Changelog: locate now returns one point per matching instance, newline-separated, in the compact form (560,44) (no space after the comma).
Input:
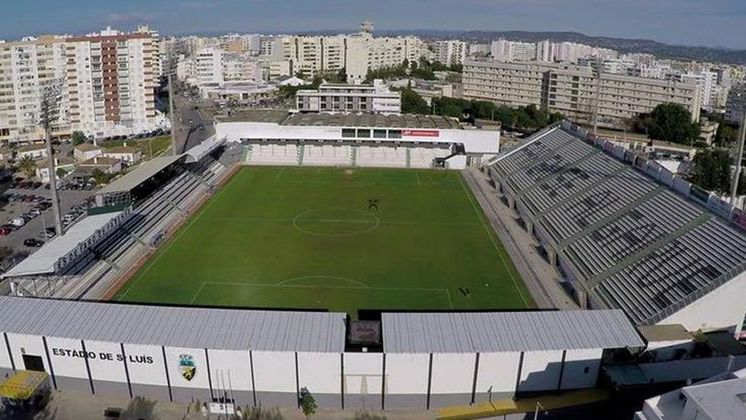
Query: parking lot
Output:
(23,199)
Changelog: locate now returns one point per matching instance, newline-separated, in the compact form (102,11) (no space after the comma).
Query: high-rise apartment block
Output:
(450,52)
(111,79)
(575,91)
(107,81)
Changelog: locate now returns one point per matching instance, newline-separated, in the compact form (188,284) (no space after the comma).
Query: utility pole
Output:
(599,64)
(51,96)
(171,102)
(739,158)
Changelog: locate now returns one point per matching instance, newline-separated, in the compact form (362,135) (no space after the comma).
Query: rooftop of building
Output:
(87,147)
(668,332)
(286,118)
(32,147)
(100,161)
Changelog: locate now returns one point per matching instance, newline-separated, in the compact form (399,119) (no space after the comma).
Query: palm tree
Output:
(27,166)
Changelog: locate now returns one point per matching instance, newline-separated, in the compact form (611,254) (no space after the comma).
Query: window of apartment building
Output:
(379,134)
(394,134)
(363,133)
(348,132)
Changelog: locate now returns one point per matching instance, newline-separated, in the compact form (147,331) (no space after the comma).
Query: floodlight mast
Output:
(51,96)
(739,159)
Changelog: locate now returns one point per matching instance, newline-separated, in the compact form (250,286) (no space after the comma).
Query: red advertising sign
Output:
(421,133)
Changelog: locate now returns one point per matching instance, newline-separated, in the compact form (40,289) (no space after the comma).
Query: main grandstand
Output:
(626,233)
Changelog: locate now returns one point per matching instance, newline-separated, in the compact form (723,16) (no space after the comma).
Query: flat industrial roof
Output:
(254,115)
(43,261)
(371,120)
(341,119)
(140,174)
(174,326)
(469,332)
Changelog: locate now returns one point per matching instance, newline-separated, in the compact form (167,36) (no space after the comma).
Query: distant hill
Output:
(720,55)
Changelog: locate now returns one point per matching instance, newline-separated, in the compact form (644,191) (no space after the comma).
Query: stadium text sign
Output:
(101,355)
(421,133)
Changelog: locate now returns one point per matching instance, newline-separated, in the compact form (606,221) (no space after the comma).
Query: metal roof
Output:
(45,259)
(140,174)
(469,332)
(220,329)
(196,153)
(627,239)
(371,120)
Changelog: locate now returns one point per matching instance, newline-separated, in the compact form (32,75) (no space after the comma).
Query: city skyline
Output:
(719,23)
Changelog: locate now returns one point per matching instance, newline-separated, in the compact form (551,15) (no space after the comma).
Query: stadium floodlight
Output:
(49,112)
(739,159)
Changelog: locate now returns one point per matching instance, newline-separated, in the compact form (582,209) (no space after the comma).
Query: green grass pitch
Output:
(301,238)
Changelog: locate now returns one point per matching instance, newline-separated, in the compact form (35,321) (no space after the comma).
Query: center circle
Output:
(335,222)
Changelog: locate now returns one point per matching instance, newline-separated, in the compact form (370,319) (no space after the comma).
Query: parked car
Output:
(50,232)
(18,221)
(4,231)
(33,242)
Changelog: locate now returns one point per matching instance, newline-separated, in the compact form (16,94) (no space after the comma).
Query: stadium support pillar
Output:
(552,257)
(582,298)
(511,202)
(529,227)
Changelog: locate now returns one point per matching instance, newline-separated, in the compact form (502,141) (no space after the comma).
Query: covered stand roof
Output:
(221,329)
(631,242)
(78,239)
(196,153)
(454,332)
(140,174)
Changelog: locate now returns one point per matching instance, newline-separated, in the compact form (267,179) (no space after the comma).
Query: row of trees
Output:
(668,122)
(525,119)
(712,171)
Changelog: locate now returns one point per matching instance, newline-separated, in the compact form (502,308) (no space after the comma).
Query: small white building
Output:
(127,154)
(34,151)
(85,151)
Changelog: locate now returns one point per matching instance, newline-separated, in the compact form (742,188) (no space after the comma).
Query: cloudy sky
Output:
(688,22)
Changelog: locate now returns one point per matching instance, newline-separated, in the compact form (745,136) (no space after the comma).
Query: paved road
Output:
(35,227)
(188,134)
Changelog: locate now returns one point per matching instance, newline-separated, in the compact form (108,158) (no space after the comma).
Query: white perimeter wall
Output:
(497,371)
(145,364)
(230,369)
(274,372)
(321,373)
(540,371)
(453,373)
(722,308)
(406,374)
(581,368)
(363,373)
(26,344)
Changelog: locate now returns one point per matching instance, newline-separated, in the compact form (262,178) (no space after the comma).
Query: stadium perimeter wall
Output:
(269,378)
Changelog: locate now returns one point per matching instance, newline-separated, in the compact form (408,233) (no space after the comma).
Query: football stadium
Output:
(381,262)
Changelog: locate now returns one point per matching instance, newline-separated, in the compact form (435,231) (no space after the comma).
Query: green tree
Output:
(712,170)
(307,402)
(27,166)
(60,173)
(412,102)
(726,135)
(100,176)
(673,123)
(78,138)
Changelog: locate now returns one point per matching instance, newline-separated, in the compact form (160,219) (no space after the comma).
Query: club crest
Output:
(187,367)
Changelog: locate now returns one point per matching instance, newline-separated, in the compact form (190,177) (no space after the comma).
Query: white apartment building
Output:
(25,67)
(450,52)
(111,81)
(571,90)
(375,98)
(707,82)
(213,66)
(503,50)
(736,104)
(208,66)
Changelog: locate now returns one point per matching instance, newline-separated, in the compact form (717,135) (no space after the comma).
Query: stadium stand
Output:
(625,233)
(109,257)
